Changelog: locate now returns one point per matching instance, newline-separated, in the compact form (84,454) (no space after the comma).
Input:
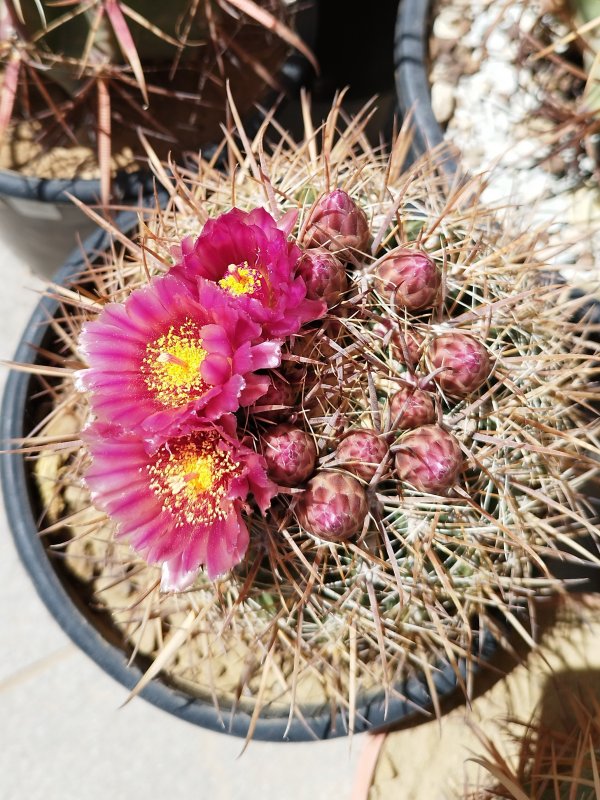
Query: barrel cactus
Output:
(93,75)
(370,551)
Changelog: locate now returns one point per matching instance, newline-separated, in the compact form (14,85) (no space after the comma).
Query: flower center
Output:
(191,476)
(171,367)
(241,280)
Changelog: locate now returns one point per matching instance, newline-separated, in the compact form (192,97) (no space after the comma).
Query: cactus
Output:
(354,581)
(556,760)
(93,74)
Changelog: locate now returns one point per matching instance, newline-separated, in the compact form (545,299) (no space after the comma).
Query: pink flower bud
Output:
(337,223)
(429,459)
(465,361)
(361,452)
(324,275)
(290,454)
(333,507)
(411,407)
(280,393)
(411,276)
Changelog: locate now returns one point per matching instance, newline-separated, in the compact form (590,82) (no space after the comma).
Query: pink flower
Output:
(251,259)
(163,357)
(179,505)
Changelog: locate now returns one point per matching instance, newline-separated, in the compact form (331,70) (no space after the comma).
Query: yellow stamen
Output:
(171,368)
(201,475)
(192,477)
(240,280)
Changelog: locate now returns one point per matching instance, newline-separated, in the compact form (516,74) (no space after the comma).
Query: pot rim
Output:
(411,50)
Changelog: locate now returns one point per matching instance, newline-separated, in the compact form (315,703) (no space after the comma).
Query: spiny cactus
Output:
(357,579)
(554,761)
(560,50)
(95,74)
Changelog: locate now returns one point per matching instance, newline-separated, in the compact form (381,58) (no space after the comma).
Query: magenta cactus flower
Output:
(429,459)
(411,277)
(337,223)
(464,362)
(163,356)
(361,452)
(333,507)
(250,257)
(178,505)
(290,454)
(324,275)
(411,407)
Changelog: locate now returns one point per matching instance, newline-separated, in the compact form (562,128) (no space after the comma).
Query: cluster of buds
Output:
(333,505)
(439,368)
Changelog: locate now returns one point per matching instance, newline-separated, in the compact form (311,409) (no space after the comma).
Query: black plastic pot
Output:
(411,59)
(92,630)
(39,222)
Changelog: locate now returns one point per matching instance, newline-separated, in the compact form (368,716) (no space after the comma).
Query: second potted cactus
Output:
(86,85)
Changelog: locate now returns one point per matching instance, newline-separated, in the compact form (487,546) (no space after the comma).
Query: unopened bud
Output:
(411,407)
(361,452)
(290,454)
(324,275)
(333,507)
(277,402)
(429,459)
(411,277)
(464,362)
(337,223)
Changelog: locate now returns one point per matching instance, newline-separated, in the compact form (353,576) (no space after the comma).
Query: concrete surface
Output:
(63,735)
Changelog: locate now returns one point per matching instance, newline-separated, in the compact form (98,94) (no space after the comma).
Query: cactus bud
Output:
(361,452)
(337,223)
(411,408)
(333,507)
(429,459)
(465,362)
(290,454)
(324,275)
(411,276)
(279,393)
